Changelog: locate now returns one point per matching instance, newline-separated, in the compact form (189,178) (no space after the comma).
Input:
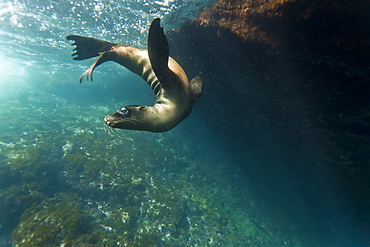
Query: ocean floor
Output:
(66,181)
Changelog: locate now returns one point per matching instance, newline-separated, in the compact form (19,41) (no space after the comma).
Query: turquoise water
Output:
(66,181)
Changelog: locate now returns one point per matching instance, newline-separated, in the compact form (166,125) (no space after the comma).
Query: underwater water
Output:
(66,181)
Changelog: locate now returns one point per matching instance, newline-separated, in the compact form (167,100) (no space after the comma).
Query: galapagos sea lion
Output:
(175,93)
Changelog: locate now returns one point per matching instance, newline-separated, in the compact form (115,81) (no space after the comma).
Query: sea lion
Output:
(175,94)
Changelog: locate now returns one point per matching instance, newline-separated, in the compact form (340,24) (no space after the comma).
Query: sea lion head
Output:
(132,117)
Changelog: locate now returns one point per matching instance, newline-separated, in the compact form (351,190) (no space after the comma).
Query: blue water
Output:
(66,181)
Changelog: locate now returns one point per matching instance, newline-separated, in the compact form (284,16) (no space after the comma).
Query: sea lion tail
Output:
(87,47)
(196,86)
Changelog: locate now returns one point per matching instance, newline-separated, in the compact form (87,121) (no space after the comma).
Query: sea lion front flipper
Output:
(158,52)
(196,86)
(87,47)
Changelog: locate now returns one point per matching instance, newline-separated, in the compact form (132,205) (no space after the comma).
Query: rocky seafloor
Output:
(66,182)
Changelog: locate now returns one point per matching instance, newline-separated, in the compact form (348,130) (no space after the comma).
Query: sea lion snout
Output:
(108,120)
(118,119)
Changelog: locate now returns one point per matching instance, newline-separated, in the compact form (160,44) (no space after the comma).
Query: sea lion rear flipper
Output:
(88,73)
(87,47)
(196,86)
(158,52)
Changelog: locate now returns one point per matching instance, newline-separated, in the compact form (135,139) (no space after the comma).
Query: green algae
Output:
(50,223)
(129,205)
(15,200)
(64,221)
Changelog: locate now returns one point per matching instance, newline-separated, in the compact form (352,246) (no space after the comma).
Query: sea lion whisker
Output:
(111,131)
(106,128)
(114,132)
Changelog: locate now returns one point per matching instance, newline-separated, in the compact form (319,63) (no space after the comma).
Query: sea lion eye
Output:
(123,111)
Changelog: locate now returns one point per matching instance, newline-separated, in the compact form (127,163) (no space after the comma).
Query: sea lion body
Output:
(173,103)
(175,94)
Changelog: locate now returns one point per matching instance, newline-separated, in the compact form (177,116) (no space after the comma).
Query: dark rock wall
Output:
(287,87)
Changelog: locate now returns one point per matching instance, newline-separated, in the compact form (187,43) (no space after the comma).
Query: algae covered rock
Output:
(54,222)
(15,200)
